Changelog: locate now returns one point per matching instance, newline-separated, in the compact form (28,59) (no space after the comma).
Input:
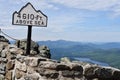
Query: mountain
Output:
(105,52)
(110,45)
(64,43)
(58,43)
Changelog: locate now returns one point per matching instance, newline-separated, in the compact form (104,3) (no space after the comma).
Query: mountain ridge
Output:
(104,52)
(106,45)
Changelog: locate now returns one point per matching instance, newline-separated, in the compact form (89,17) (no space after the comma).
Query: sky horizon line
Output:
(78,20)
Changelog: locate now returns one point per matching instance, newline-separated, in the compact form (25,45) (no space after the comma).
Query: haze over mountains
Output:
(105,52)
(64,43)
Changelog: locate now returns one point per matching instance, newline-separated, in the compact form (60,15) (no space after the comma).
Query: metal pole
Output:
(29,40)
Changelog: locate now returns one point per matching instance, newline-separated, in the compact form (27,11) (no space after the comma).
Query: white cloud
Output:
(93,36)
(60,23)
(93,5)
(12,27)
(88,4)
(116,10)
(41,4)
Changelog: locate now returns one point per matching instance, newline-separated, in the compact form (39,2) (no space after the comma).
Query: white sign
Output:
(29,16)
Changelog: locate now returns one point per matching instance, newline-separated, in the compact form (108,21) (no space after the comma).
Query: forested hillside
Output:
(105,52)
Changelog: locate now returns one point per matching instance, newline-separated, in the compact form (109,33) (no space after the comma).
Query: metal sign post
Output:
(29,39)
(29,16)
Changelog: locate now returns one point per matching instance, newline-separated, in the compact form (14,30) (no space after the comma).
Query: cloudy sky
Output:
(75,20)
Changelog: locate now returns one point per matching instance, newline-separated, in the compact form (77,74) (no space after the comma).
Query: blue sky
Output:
(74,20)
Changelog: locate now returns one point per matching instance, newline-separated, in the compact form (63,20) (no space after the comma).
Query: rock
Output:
(2,67)
(23,43)
(3,46)
(14,52)
(33,76)
(40,71)
(95,79)
(2,77)
(10,65)
(3,39)
(18,73)
(72,74)
(48,65)
(116,75)
(12,46)
(104,73)
(67,78)
(17,51)
(61,67)
(75,71)
(4,53)
(2,72)
(77,67)
(44,51)
(65,59)
(30,70)
(90,72)
(3,60)
(33,52)
(32,61)
(8,75)
(43,47)
(20,58)
(21,66)
(51,74)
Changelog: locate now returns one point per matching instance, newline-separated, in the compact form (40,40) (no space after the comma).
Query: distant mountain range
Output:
(105,52)
(64,43)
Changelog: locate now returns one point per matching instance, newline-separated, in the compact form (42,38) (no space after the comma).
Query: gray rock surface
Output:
(23,43)
(44,51)
(3,39)
(36,50)
(14,65)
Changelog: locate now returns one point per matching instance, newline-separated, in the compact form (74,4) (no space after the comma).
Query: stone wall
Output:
(39,68)
(14,65)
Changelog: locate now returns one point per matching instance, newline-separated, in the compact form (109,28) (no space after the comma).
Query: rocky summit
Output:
(16,65)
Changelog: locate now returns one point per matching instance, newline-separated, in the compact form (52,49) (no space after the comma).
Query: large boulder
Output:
(3,46)
(65,59)
(44,51)
(23,45)
(36,50)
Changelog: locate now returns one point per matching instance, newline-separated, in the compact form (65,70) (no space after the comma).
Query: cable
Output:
(8,35)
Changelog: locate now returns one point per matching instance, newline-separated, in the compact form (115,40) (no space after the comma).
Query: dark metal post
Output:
(29,40)
(18,43)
